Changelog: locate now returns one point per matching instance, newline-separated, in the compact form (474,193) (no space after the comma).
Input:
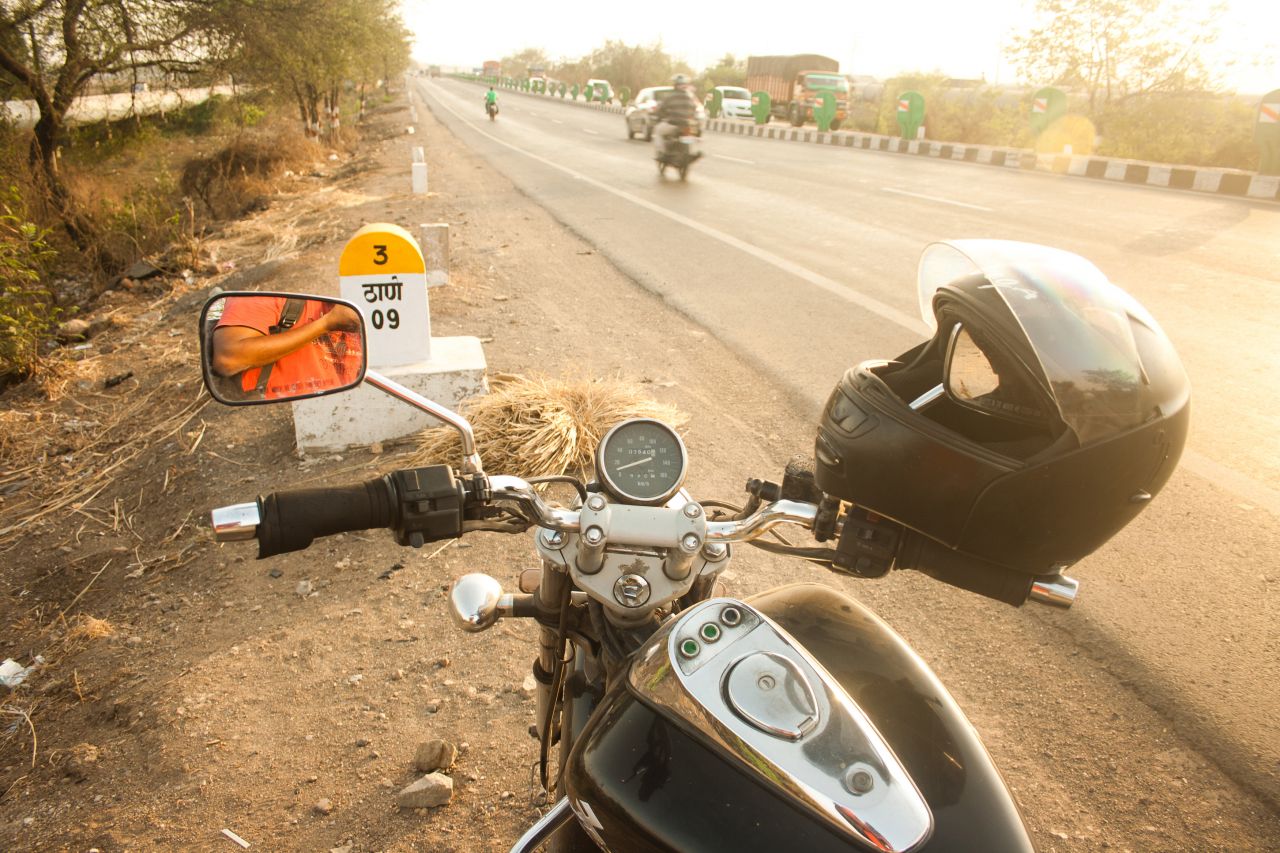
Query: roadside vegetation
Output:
(1135,72)
(81,205)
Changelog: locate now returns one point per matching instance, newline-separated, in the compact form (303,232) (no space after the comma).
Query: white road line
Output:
(556,120)
(830,285)
(1227,478)
(590,131)
(734,159)
(935,198)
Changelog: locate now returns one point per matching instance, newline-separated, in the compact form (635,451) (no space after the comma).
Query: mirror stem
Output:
(470,458)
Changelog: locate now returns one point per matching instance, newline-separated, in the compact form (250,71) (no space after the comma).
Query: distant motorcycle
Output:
(492,109)
(680,149)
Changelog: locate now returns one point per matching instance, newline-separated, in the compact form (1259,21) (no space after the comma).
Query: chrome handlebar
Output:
(532,508)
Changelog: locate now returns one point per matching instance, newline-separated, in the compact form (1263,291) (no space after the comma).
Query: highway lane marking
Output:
(592,132)
(734,159)
(818,280)
(557,121)
(1226,478)
(935,198)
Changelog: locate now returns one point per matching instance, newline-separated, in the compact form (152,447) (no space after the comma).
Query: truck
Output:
(492,68)
(793,84)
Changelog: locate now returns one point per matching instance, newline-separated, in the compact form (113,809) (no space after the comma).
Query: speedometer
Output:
(641,461)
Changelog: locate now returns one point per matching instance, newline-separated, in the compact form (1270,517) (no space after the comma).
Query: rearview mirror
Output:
(271,347)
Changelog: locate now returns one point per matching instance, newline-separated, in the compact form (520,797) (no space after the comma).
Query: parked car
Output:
(642,113)
(735,101)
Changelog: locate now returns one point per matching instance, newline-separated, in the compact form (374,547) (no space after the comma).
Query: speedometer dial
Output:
(641,461)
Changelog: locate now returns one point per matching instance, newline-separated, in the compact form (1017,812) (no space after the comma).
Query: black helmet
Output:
(1041,417)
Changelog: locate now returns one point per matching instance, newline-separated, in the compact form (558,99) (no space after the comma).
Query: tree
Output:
(729,71)
(1114,50)
(330,42)
(51,49)
(634,66)
(518,64)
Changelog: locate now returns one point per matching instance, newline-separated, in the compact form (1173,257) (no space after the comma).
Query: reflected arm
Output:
(238,348)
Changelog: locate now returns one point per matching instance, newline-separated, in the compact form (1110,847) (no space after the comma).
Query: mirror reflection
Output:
(970,373)
(263,347)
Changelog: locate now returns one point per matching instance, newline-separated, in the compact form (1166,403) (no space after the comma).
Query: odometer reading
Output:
(641,461)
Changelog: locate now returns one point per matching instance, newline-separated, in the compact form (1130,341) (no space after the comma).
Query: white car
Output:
(735,101)
(642,113)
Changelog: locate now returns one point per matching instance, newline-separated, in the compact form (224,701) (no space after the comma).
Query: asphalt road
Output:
(802,259)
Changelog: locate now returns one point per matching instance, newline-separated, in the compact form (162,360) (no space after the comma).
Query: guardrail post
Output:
(435,251)
(418,171)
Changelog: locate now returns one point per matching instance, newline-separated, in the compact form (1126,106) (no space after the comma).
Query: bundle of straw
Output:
(540,426)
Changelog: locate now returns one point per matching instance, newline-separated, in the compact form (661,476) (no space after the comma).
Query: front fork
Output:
(549,594)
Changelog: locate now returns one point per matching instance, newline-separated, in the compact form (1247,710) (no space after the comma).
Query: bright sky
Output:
(878,39)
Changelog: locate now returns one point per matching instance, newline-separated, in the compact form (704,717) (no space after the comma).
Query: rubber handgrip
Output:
(965,571)
(292,520)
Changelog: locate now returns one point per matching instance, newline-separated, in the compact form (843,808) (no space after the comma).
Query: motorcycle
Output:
(491,107)
(680,149)
(670,717)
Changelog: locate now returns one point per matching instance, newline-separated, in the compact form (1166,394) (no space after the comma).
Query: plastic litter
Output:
(237,839)
(13,673)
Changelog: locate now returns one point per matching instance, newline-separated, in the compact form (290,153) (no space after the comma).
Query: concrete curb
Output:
(1230,182)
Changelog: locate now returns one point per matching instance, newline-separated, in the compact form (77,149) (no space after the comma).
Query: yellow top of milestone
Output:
(381,247)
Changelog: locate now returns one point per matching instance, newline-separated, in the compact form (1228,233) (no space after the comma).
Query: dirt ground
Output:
(212,695)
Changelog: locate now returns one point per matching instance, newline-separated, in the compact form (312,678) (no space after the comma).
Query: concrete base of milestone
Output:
(365,415)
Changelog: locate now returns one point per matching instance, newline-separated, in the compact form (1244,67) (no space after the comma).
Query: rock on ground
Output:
(434,755)
(434,789)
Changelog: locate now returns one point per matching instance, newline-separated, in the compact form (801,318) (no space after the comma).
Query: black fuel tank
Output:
(644,783)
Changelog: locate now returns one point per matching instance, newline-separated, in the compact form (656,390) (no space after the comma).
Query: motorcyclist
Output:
(677,109)
(490,100)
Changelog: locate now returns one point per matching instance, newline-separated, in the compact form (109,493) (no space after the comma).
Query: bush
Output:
(27,311)
(1188,129)
(234,178)
(976,116)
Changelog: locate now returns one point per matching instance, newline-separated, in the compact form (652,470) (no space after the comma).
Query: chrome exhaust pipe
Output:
(1054,591)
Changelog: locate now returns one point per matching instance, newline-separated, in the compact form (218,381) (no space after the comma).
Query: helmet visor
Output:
(1079,325)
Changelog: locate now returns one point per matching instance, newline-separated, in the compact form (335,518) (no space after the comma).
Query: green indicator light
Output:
(689,648)
(711,632)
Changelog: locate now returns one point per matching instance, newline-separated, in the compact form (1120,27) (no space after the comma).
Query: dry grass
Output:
(542,426)
(229,180)
(98,447)
(84,627)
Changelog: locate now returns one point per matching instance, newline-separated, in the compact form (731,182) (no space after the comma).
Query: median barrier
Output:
(560,99)
(1205,179)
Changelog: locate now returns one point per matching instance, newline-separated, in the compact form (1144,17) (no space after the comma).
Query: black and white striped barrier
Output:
(1204,179)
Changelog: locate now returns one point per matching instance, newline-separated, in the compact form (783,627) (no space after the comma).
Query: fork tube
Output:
(550,593)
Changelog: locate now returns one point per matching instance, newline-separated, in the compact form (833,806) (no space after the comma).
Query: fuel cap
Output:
(768,691)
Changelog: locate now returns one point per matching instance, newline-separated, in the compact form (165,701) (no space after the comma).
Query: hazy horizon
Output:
(875,41)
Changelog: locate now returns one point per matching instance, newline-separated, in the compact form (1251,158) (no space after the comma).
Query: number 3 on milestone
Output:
(381,270)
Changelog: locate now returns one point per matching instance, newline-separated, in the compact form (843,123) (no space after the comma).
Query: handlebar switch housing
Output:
(868,544)
(431,502)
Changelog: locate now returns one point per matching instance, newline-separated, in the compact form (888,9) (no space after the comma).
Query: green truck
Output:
(793,84)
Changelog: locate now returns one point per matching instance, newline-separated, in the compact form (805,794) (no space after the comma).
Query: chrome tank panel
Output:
(642,782)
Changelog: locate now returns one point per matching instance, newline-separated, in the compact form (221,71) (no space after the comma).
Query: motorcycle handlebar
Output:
(292,520)
(531,506)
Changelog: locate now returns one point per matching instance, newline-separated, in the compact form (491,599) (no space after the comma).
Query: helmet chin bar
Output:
(870,546)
